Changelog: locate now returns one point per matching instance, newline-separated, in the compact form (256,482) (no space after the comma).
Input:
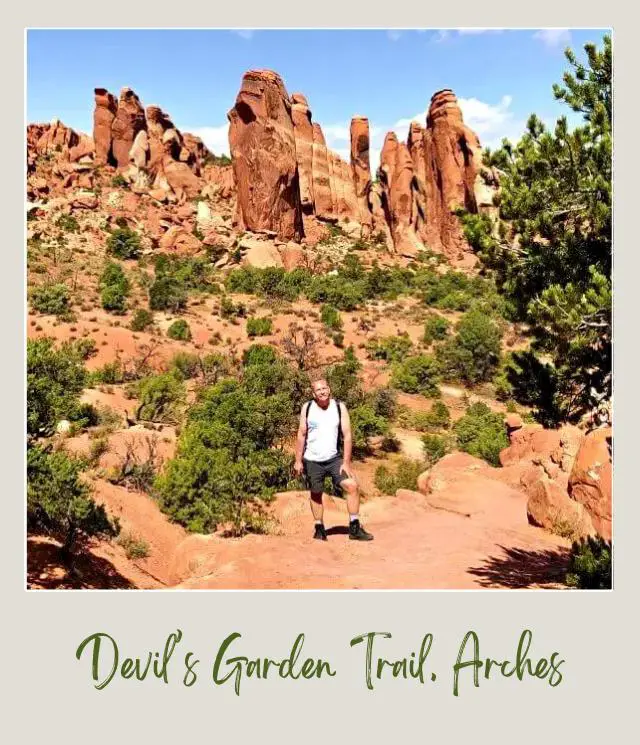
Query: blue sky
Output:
(500,77)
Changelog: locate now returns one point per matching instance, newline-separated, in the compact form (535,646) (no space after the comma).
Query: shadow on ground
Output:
(46,569)
(518,568)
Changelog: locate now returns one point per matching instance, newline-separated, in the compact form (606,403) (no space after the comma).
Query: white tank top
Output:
(322,432)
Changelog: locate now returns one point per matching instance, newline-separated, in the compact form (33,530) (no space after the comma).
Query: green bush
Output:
(58,501)
(437,418)
(55,380)
(141,320)
(418,374)
(134,546)
(590,564)
(119,180)
(114,288)
(259,354)
(161,397)
(228,463)
(179,330)
(124,243)
(166,293)
(330,317)
(391,348)
(187,365)
(404,476)
(259,326)
(68,223)
(229,309)
(473,355)
(435,447)
(481,433)
(435,328)
(52,300)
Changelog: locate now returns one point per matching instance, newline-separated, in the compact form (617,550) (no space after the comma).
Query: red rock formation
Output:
(303,132)
(452,162)
(103,116)
(262,143)
(346,205)
(415,144)
(128,121)
(55,137)
(590,479)
(361,169)
(397,177)
(321,176)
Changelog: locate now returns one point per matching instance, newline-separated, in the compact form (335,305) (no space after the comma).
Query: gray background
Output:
(49,696)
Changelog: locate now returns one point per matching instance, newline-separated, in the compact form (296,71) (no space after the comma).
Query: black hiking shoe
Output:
(357,532)
(321,533)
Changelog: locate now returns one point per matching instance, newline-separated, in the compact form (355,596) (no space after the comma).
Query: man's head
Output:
(321,391)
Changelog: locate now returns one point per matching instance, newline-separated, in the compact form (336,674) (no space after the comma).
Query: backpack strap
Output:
(306,417)
(340,438)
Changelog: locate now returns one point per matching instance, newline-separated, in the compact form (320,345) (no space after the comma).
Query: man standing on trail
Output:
(324,424)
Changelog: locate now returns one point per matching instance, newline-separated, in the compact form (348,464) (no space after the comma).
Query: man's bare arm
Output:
(300,440)
(347,440)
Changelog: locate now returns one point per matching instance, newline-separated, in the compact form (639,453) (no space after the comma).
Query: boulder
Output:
(179,240)
(260,254)
(293,256)
(590,481)
(263,151)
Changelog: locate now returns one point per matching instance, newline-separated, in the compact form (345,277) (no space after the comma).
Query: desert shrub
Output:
(186,364)
(590,564)
(138,466)
(435,447)
(481,432)
(68,223)
(259,326)
(166,293)
(52,299)
(418,374)
(141,320)
(191,273)
(269,282)
(179,330)
(435,328)
(59,502)
(85,348)
(229,309)
(161,398)
(404,476)
(119,180)
(344,381)
(366,423)
(111,373)
(217,160)
(124,243)
(391,348)
(473,355)
(437,418)
(228,463)
(384,402)
(330,317)
(259,354)
(55,380)
(135,547)
(114,288)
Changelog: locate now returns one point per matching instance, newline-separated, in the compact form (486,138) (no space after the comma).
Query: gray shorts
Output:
(315,473)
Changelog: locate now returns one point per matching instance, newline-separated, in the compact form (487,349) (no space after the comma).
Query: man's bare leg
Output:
(350,488)
(317,508)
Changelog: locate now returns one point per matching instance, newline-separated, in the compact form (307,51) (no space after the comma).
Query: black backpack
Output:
(340,438)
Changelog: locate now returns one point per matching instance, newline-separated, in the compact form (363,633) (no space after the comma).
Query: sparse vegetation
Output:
(52,299)
(259,326)
(124,243)
(179,330)
(480,432)
(419,374)
(141,320)
(114,288)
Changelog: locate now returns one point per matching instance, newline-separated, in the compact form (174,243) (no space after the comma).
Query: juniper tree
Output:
(551,250)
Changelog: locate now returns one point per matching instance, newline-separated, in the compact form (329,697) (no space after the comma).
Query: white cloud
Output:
(215,138)
(336,132)
(243,33)
(553,37)
(394,34)
(464,31)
